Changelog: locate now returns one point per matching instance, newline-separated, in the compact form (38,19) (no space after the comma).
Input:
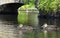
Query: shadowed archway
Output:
(8,12)
(10,8)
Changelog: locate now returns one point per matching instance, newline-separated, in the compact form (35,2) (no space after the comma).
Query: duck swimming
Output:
(25,27)
(50,27)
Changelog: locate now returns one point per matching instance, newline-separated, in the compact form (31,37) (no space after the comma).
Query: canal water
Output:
(40,33)
(8,28)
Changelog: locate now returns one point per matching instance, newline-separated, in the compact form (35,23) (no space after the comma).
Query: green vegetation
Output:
(48,5)
(22,15)
(22,18)
(45,5)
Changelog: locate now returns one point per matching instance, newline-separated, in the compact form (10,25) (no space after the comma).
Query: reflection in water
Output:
(45,34)
(9,30)
(40,33)
(20,34)
(8,27)
(51,29)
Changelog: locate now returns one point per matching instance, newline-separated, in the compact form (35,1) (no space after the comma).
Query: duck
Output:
(50,27)
(25,27)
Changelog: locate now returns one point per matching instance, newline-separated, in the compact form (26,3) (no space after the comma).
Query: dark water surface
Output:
(40,33)
(8,28)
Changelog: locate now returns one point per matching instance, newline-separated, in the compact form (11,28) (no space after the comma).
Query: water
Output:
(9,30)
(40,33)
(8,27)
